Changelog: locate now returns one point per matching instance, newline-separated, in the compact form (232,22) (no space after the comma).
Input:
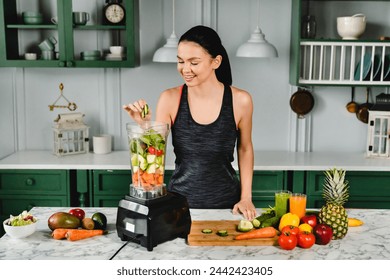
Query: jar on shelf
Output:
(309,27)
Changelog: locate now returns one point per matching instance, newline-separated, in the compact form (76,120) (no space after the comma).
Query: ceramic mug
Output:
(102,144)
(48,44)
(47,55)
(80,18)
(54,20)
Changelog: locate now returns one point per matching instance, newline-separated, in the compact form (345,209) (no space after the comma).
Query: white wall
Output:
(25,119)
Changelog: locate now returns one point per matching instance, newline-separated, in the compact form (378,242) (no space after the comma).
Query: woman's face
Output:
(194,64)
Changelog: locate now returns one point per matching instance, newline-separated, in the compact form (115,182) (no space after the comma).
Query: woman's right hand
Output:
(135,110)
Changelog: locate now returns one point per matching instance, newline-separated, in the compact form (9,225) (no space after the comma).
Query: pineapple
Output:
(335,194)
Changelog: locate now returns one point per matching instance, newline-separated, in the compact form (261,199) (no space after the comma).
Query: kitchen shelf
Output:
(326,59)
(340,63)
(17,38)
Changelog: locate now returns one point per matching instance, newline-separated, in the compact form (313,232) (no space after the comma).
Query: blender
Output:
(149,214)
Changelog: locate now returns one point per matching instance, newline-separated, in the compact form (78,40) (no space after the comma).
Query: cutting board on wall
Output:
(198,238)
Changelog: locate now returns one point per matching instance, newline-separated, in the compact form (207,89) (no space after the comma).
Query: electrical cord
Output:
(113,256)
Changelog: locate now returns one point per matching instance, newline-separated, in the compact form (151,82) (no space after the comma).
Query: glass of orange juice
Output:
(298,204)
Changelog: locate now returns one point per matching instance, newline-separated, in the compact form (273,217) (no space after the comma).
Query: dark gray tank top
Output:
(204,155)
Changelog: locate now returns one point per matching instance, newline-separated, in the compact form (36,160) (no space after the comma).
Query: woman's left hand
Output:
(246,208)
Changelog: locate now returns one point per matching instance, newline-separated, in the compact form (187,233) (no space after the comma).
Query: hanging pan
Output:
(362,112)
(302,102)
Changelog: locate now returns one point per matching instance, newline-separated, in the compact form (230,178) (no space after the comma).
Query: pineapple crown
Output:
(335,187)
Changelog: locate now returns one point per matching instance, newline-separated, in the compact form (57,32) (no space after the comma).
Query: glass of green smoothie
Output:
(281,202)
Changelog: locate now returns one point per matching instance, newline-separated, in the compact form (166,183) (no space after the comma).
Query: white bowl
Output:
(351,28)
(19,231)
(30,56)
(118,50)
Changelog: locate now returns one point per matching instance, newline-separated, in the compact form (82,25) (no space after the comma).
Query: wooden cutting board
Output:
(197,238)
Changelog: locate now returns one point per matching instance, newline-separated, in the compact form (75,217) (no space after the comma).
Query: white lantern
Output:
(378,140)
(70,135)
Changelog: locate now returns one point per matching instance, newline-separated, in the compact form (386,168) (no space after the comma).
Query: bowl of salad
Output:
(20,226)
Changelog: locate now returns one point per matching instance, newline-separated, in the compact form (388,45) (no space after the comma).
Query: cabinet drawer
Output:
(34,182)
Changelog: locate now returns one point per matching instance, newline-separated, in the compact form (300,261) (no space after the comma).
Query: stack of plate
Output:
(32,17)
(91,55)
(376,68)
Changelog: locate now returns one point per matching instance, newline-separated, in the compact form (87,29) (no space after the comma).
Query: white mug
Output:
(54,20)
(102,144)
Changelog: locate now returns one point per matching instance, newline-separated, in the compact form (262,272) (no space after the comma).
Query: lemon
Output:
(305,227)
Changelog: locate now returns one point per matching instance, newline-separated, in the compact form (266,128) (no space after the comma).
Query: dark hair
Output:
(208,39)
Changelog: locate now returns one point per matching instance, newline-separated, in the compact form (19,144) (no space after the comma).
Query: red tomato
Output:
(287,241)
(306,239)
(159,152)
(293,230)
(151,150)
(77,212)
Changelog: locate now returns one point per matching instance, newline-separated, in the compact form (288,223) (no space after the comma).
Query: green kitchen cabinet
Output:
(367,189)
(23,189)
(328,60)
(18,38)
(264,186)
(110,186)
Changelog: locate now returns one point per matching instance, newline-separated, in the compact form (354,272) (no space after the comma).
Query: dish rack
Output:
(344,63)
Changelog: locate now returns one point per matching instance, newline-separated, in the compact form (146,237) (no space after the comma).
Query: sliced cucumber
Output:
(222,232)
(207,231)
(151,158)
(244,226)
(256,223)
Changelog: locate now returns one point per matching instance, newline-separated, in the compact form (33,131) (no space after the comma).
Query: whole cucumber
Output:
(265,216)
(271,222)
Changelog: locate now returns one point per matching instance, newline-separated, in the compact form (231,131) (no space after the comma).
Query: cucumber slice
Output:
(222,232)
(256,223)
(151,158)
(207,231)
(244,226)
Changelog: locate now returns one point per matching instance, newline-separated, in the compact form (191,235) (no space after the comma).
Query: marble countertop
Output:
(367,242)
(264,160)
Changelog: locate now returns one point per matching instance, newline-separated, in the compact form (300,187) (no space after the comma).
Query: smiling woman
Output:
(208,117)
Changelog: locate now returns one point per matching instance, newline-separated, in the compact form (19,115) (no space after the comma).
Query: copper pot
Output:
(362,112)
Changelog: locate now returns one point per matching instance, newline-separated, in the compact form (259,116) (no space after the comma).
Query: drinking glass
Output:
(298,204)
(281,202)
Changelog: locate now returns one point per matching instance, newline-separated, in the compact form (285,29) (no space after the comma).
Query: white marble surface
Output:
(368,242)
(268,160)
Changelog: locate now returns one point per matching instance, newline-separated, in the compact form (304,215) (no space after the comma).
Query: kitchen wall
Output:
(25,119)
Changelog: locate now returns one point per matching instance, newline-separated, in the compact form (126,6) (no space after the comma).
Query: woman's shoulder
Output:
(241,96)
(172,92)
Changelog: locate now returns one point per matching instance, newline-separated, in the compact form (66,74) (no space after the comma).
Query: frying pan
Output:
(362,112)
(302,102)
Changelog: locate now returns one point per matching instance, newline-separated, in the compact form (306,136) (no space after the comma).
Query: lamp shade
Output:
(257,46)
(168,52)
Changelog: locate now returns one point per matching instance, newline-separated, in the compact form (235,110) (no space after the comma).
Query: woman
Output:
(207,117)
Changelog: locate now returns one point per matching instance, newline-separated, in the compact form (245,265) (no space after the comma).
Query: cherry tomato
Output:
(77,212)
(151,150)
(159,152)
(306,239)
(287,241)
(293,230)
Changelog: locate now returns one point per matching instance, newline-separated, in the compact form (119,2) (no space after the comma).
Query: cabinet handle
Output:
(30,181)
(69,63)
(61,63)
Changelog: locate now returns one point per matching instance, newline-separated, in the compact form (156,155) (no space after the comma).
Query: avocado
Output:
(100,220)
(63,220)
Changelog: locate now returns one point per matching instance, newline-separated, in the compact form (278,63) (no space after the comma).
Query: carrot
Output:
(59,233)
(78,234)
(266,232)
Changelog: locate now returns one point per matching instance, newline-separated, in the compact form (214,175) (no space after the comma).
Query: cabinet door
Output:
(366,189)
(264,186)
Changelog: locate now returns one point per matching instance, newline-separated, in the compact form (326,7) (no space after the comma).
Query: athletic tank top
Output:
(204,154)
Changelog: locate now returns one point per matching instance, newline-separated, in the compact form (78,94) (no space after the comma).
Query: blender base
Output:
(150,222)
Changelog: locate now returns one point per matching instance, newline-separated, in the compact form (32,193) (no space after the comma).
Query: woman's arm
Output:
(243,110)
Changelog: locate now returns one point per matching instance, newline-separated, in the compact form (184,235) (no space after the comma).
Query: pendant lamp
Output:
(257,45)
(168,53)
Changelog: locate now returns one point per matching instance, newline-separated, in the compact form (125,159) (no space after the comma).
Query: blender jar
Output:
(147,145)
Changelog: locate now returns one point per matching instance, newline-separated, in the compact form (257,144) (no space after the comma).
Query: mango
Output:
(63,220)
